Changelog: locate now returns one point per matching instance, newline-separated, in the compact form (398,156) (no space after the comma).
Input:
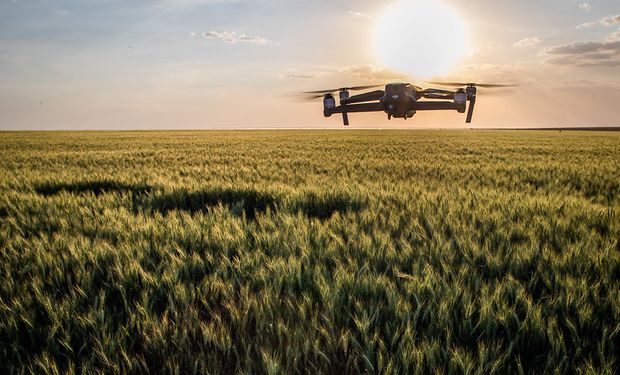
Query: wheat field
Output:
(267,252)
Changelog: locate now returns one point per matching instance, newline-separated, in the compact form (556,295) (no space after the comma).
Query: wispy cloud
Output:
(584,47)
(371,72)
(232,37)
(586,54)
(294,74)
(587,24)
(586,7)
(189,3)
(605,21)
(615,36)
(359,14)
(365,72)
(528,42)
(610,20)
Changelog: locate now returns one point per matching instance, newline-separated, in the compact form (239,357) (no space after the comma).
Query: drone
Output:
(401,100)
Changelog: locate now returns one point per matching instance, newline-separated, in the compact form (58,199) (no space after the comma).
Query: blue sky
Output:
(108,64)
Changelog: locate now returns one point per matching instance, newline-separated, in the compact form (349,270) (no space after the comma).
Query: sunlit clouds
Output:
(528,42)
(605,21)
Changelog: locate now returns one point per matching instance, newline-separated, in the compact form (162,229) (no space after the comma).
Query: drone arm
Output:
(366,97)
(436,94)
(346,109)
(439,106)
(365,107)
(439,96)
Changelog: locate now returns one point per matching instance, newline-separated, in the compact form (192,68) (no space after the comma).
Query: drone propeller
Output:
(462,84)
(471,89)
(321,93)
(314,97)
(353,88)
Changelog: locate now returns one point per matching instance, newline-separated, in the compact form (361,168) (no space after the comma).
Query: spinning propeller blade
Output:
(313,97)
(463,84)
(353,88)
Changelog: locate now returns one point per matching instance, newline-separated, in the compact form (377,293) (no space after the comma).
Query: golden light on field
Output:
(421,38)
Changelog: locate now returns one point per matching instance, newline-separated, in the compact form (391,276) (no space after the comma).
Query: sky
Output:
(217,64)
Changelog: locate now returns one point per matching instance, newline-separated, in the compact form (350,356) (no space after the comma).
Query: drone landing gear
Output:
(345,118)
(471,95)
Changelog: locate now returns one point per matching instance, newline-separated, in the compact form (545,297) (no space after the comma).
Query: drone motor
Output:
(329,102)
(460,97)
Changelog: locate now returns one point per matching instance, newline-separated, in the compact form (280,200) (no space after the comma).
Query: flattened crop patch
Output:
(246,202)
(250,202)
(97,187)
(324,206)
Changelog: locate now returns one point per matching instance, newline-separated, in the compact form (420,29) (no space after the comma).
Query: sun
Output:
(421,38)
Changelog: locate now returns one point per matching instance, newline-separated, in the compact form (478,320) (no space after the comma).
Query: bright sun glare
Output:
(422,38)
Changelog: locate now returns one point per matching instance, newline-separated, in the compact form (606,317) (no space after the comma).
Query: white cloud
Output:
(294,74)
(232,37)
(359,14)
(528,42)
(189,3)
(610,20)
(586,7)
(585,25)
(174,6)
(226,36)
(605,21)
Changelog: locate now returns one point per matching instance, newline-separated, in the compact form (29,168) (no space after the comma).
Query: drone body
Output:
(401,100)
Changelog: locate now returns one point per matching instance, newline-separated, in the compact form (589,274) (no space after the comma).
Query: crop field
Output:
(266,252)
